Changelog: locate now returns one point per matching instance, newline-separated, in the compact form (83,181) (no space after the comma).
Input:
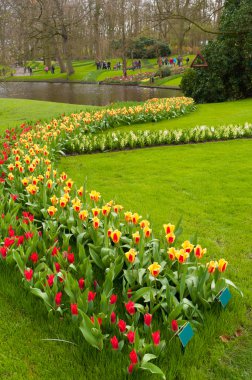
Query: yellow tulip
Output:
(51,210)
(144,223)
(96,223)
(25,181)
(83,215)
(106,210)
(136,237)
(131,255)
(172,253)
(154,269)
(115,236)
(188,247)
(169,228)
(211,266)
(128,216)
(222,265)
(199,252)
(54,200)
(182,256)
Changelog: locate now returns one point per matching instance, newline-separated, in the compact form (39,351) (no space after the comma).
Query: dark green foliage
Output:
(164,72)
(229,58)
(145,47)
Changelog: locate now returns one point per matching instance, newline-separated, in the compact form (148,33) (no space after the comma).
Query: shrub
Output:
(229,72)
(164,72)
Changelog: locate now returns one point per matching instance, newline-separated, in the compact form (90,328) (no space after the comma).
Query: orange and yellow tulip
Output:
(154,269)
(169,228)
(199,252)
(222,265)
(136,237)
(115,236)
(188,247)
(83,215)
(51,210)
(131,255)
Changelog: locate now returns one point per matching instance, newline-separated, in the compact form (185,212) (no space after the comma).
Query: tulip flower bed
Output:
(152,110)
(134,78)
(94,262)
(116,140)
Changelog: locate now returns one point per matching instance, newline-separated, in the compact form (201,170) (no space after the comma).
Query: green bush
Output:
(164,72)
(145,47)
(203,86)
(229,72)
(188,81)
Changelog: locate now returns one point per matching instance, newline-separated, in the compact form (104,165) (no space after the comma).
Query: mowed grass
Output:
(210,186)
(14,112)
(86,71)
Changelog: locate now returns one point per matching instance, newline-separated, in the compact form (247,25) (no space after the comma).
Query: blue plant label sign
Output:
(185,334)
(224,297)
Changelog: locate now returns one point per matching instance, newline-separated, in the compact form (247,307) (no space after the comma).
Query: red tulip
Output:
(28,274)
(28,235)
(74,308)
(3,251)
(70,258)
(174,325)
(91,296)
(57,267)
(113,317)
(11,231)
(55,251)
(34,257)
(58,298)
(81,283)
(8,242)
(133,357)
(156,338)
(131,336)
(130,368)
(114,343)
(147,319)
(50,279)
(122,325)
(130,307)
(20,240)
(113,299)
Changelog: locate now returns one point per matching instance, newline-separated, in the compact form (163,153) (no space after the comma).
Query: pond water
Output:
(77,93)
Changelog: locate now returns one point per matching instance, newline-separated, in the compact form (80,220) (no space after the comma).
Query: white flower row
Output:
(116,140)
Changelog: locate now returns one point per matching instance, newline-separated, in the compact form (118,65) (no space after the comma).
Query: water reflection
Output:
(77,93)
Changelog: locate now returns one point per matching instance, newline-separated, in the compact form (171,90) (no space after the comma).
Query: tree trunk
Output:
(67,55)
(59,58)
(124,57)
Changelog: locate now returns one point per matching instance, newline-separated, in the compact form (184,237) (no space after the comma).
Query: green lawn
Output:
(173,82)
(209,185)
(14,112)
(86,71)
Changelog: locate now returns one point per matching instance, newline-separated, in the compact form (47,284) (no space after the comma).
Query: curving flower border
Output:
(93,262)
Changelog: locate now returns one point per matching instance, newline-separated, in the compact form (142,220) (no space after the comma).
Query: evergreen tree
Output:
(229,58)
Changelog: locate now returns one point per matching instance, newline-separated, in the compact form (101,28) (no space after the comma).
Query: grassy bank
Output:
(14,112)
(86,71)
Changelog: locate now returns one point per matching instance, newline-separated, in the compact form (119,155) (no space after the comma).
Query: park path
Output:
(20,72)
